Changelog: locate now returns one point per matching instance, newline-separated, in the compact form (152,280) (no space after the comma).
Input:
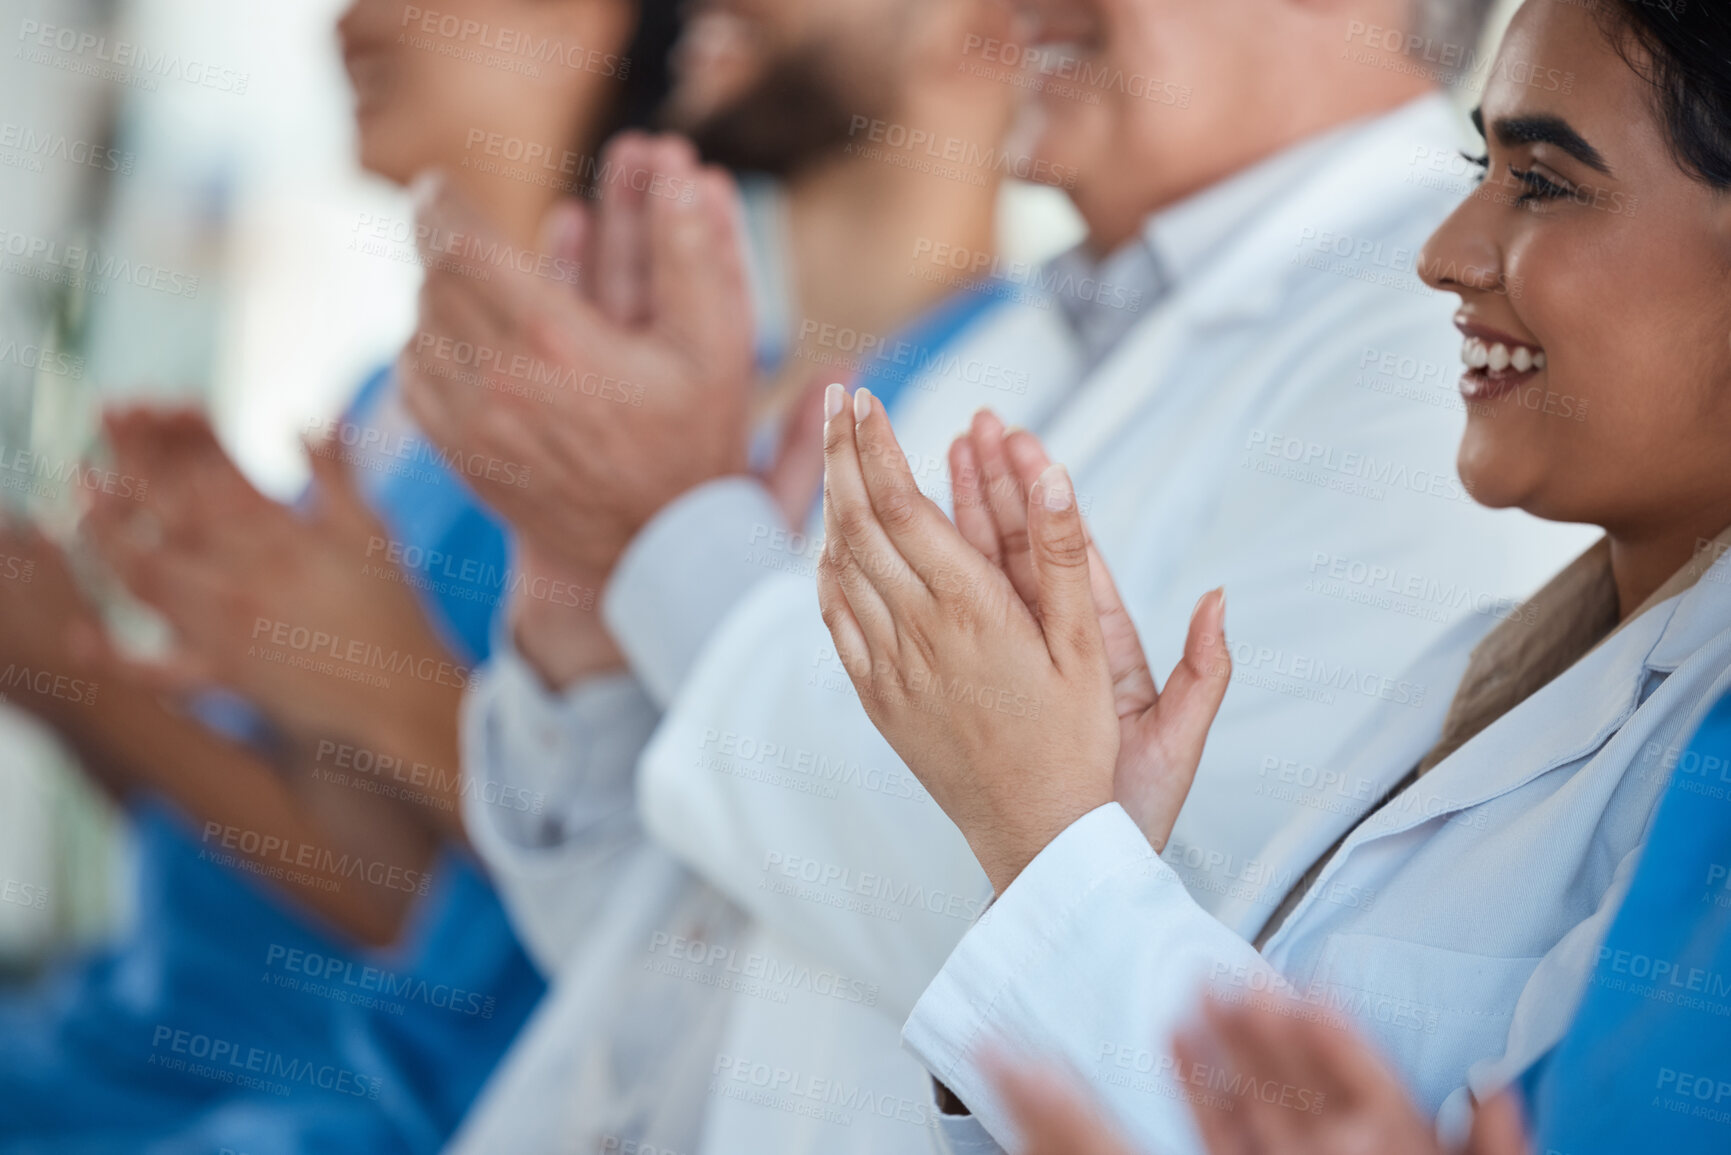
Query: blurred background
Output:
(237,265)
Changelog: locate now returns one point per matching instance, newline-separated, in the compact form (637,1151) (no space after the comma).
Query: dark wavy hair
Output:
(650,79)
(1685,53)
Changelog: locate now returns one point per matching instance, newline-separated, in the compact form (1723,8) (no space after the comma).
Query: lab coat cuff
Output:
(966,1135)
(686,570)
(962,1013)
(540,765)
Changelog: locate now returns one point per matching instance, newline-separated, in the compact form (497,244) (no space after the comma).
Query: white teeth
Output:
(1498,357)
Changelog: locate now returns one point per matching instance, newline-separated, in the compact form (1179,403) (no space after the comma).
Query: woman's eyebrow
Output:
(1543,129)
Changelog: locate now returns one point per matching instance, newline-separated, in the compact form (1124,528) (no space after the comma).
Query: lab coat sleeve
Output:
(685,571)
(549,797)
(770,781)
(1093,957)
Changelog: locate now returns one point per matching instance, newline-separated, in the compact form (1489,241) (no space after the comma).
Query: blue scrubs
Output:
(226,1020)
(1646,1065)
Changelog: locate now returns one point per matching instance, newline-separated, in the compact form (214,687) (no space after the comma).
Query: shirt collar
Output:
(1103,299)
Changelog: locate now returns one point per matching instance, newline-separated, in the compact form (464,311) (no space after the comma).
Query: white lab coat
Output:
(1456,926)
(1178,444)
(766,778)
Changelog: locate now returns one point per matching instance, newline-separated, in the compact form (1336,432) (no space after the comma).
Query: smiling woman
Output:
(1591,264)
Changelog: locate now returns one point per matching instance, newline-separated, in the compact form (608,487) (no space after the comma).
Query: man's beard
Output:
(795,115)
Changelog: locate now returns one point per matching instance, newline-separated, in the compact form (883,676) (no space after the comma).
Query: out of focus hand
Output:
(1004,716)
(614,400)
(47,628)
(1161,732)
(1267,1078)
(303,614)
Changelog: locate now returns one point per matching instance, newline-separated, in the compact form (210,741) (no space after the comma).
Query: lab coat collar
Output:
(1576,713)
(1354,184)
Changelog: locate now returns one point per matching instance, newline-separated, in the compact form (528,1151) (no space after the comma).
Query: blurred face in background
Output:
(1601,269)
(771,85)
(433,81)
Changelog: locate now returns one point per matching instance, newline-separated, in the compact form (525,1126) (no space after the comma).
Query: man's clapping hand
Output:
(613,398)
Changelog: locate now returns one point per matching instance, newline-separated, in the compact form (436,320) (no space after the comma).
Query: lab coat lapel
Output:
(1356,190)
(1372,762)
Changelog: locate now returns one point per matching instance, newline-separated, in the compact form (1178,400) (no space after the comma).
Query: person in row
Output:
(625,1050)
(1645,1064)
(316,755)
(1454,915)
(1201,336)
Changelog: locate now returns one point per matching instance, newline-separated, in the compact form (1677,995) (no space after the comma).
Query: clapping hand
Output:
(1002,695)
(299,612)
(613,398)
(1161,732)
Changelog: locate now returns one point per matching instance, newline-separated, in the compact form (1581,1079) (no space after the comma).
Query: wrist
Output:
(1005,846)
(556,624)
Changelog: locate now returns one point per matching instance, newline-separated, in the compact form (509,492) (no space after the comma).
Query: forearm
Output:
(548,794)
(244,809)
(766,763)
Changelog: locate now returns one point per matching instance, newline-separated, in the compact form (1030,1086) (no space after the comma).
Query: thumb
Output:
(1059,551)
(1198,684)
(1497,1128)
(335,493)
(564,232)
(796,478)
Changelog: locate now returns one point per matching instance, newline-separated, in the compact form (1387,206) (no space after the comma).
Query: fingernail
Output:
(862,403)
(1055,491)
(833,398)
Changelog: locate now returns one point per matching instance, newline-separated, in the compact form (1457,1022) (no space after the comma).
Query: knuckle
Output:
(1067,549)
(854,522)
(897,508)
